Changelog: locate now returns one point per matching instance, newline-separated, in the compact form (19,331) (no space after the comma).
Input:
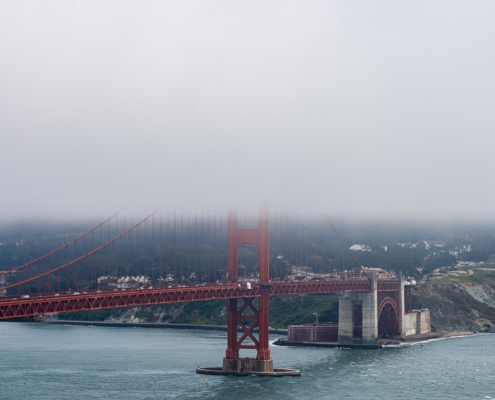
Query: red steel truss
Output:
(336,286)
(247,329)
(388,285)
(51,304)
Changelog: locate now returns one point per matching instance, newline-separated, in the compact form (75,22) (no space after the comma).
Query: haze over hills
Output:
(397,246)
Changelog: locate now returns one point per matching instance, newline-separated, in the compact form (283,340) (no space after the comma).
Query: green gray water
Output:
(77,362)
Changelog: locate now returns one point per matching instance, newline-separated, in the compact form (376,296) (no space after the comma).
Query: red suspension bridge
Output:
(172,257)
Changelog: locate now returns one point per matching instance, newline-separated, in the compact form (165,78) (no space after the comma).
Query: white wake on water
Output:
(435,339)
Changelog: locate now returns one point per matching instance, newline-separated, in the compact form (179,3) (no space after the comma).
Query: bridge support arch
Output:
(389,317)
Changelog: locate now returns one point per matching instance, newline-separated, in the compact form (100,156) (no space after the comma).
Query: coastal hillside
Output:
(459,303)
(456,303)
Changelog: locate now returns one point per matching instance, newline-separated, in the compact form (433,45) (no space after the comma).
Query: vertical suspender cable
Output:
(161,247)
(188,274)
(208,250)
(167,247)
(195,250)
(74,269)
(93,268)
(153,278)
(202,259)
(58,272)
(215,249)
(182,246)
(175,247)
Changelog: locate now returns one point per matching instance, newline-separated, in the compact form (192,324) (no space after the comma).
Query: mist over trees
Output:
(397,246)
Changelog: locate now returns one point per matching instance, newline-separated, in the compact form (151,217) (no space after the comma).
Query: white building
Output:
(360,247)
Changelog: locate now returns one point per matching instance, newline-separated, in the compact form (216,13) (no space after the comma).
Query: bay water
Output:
(40,361)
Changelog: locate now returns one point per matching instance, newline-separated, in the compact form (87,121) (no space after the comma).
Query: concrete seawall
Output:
(285,342)
(222,328)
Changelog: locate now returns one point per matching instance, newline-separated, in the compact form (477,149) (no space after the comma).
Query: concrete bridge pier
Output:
(358,316)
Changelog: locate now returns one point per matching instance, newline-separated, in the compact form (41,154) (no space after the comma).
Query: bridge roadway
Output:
(36,305)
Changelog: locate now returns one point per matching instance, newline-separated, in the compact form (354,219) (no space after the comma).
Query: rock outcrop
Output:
(457,306)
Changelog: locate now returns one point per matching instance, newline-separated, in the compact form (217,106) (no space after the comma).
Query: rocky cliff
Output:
(457,306)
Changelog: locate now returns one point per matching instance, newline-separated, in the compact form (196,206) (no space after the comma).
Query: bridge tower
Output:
(254,317)
(258,317)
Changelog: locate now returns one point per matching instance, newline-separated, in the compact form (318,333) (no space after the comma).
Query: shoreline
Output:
(425,336)
(150,325)
(384,343)
(410,340)
(446,335)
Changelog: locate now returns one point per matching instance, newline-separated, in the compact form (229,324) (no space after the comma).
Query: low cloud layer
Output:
(372,109)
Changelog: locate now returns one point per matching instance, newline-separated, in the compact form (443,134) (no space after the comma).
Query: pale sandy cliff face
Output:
(458,306)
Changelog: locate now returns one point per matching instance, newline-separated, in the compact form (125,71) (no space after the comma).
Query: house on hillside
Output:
(408,245)
(360,247)
(435,243)
(380,273)
(426,243)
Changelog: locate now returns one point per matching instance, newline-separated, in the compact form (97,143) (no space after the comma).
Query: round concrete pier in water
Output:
(277,372)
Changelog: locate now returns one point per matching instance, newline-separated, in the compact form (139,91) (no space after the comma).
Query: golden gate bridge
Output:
(173,257)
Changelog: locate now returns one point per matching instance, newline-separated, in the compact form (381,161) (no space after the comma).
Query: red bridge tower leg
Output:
(263,363)
(261,238)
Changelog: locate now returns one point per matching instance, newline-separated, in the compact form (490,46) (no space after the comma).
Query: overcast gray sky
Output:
(367,108)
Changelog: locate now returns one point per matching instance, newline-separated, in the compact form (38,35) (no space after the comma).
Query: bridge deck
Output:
(17,307)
